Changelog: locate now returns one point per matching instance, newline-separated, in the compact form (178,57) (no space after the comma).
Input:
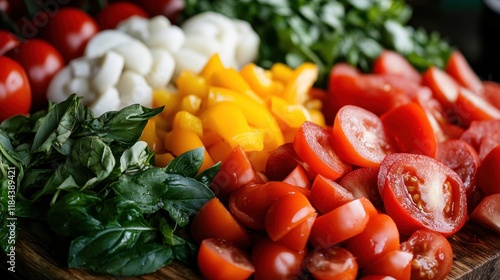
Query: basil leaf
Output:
(135,157)
(4,214)
(206,176)
(187,164)
(184,251)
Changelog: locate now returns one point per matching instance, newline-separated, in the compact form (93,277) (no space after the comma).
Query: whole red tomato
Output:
(169,8)
(41,61)
(7,41)
(69,30)
(15,93)
(114,13)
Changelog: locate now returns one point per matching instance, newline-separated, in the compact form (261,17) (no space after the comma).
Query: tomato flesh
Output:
(327,194)
(488,177)
(332,263)
(395,264)
(487,213)
(362,182)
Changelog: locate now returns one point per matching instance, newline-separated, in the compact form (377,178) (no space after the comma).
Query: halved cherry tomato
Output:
(249,204)
(8,41)
(331,263)
(41,61)
(488,143)
(282,161)
(220,259)
(314,146)
(215,221)
(297,238)
(421,192)
(443,86)
(471,107)
(339,224)
(287,213)
(477,130)
(362,182)
(15,92)
(235,171)
(327,194)
(433,110)
(395,263)
(273,260)
(391,62)
(359,137)
(488,177)
(298,177)
(377,277)
(487,213)
(380,236)
(432,255)
(69,30)
(491,92)
(112,14)
(458,68)
(411,129)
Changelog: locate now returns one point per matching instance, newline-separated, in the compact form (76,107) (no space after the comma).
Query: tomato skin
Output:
(477,130)
(488,143)
(487,213)
(111,15)
(220,259)
(411,129)
(471,107)
(491,92)
(432,255)
(359,137)
(15,92)
(298,177)
(297,238)
(69,30)
(380,236)
(395,264)
(314,146)
(215,221)
(282,161)
(8,41)
(327,194)
(170,8)
(421,192)
(275,261)
(444,87)
(331,263)
(377,277)
(391,62)
(362,182)
(458,68)
(488,178)
(41,62)
(339,224)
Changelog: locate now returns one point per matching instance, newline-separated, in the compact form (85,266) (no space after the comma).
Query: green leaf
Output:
(187,164)
(136,157)
(6,241)
(399,37)
(60,179)
(184,251)
(184,197)
(206,176)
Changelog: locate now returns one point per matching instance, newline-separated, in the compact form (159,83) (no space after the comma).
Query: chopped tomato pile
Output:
(407,160)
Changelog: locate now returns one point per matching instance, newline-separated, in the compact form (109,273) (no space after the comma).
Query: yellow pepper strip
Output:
(188,121)
(260,82)
(303,78)
(209,138)
(281,72)
(292,115)
(258,159)
(317,117)
(178,141)
(189,83)
(231,79)
(161,160)
(149,135)
(227,120)
(190,103)
(257,115)
(219,151)
(162,97)
(214,64)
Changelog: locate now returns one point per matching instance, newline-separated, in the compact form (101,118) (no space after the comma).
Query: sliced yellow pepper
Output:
(188,121)
(297,89)
(281,72)
(292,115)
(214,64)
(317,117)
(149,134)
(178,141)
(227,120)
(231,79)
(189,83)
(163,97)
(190,103)
(209,138)
(163,159)
(219,151)
(260,82)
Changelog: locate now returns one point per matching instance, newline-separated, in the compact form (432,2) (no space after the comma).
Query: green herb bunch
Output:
(91,181)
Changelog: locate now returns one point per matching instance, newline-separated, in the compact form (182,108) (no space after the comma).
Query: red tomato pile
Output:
(408,160)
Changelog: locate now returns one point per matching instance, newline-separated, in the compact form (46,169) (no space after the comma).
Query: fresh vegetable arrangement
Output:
(263,140)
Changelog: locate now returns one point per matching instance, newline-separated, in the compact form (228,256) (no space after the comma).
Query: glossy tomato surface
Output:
(111,15)
(332,263)
(327,194)
(15,92)
(488,177)
(8,41)
(487,213)
(41,61)
(362,182)
(421,192)
(396,264)
(220,259)
(432,255)
(298,237)
(282,161)
(391,62)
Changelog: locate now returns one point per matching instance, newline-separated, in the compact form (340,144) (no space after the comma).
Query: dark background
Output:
(469,25)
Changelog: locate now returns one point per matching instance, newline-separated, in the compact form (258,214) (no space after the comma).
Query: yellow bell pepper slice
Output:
(231,79)
(317,117)
(163,97)
(163,159)
(281,72)
(189,83)
(188,121)
(292,115)
(219,151)
(178,141)
(190,103)
(149,134)
(297,89)
(214,64)
(227,120)
(260,82)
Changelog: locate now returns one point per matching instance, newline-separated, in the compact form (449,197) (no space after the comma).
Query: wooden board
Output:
(476,257)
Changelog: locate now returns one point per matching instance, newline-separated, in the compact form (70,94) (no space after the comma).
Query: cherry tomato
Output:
(491,92)
(477,130)
(7,41)
(432,255)
(215,221)
(395,264)
(421,192)
(220,259)
(297,238)
(488,177)
(250,203)
(362,182)
(170,8)
(487,213)
(236,171)
(332,263)
(41,61)
(377,277)
(471,107)
(314,146)
(380,236)
(458,68)
(339,224)
(111,15)
(282,161)
(411,129)
(359,137)
(15,92)
(433,110)
(488,143)
(391,62)
(443,86)
(327,194)
(69,30)
(298,177)
(273,260)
